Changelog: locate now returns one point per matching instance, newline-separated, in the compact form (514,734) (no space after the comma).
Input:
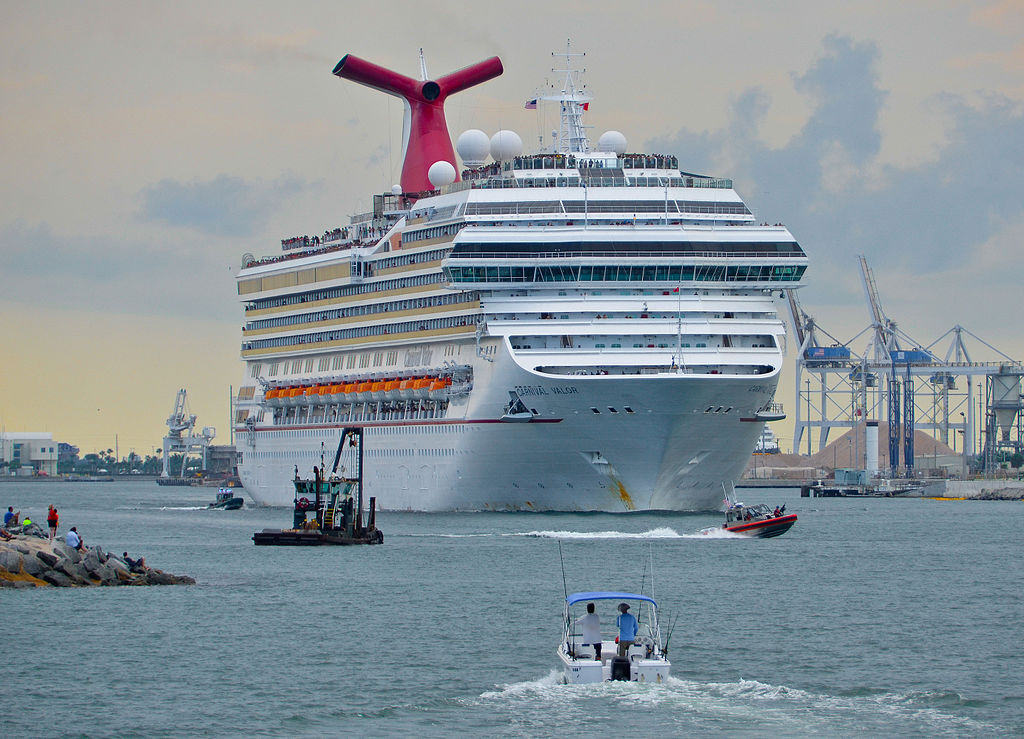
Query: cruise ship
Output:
(577,329)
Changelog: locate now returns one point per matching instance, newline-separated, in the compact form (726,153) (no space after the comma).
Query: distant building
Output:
(767,444)
(222,459)
(28,452)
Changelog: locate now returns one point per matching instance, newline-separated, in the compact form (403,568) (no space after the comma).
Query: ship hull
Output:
(595,443)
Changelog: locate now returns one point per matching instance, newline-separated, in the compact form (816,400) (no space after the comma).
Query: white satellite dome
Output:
(473,147)
(441,173)
(506,145)
(612,141)
(396,189)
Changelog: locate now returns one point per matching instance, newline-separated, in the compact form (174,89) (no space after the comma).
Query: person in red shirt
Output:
(51,521)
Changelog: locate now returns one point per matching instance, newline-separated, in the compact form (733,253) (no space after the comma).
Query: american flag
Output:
(531,104)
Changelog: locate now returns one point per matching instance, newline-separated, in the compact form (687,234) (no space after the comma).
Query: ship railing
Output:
(618,255)
(572,179)
(571,209)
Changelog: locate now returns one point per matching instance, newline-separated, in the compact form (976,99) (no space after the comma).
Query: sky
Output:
(147,146)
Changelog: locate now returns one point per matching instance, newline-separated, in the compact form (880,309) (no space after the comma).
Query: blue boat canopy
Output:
(604,595)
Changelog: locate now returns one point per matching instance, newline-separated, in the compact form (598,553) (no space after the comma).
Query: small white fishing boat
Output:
(644,661)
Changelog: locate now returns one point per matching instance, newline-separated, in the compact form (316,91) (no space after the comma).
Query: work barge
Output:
(328,509)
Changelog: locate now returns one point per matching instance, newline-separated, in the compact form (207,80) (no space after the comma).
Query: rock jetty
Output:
(29,559)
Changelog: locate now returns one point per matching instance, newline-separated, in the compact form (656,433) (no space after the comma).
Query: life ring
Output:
(302,504)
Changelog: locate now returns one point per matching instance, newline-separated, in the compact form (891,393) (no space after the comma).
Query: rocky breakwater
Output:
(999,493)
(29,559)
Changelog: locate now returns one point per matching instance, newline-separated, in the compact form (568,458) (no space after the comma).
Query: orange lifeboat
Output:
(439,388)
(377,390)
(311,395)
(363,391)
(293,396)
(350,392)
(405,389)
(272,397)
(336,393)
(391,389)
(421,387)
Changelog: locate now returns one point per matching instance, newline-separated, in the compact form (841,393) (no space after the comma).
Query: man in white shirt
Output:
(72,539)
(591,630)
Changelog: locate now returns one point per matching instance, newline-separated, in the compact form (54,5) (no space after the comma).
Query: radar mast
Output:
(573,101)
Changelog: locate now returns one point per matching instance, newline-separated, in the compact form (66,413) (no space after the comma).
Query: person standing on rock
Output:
(73,540)
(51,521)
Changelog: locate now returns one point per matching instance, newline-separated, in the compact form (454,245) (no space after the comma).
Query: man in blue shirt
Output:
(628,628)
(10,515)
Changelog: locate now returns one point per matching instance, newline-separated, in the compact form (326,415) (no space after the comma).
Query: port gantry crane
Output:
(847,392)
(181,438)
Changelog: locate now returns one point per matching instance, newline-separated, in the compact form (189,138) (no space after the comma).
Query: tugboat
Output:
(329,511)
(755,520)
(227,500)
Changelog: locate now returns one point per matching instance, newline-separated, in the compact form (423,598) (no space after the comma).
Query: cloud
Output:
(223,206)
(929,222)
(113,274)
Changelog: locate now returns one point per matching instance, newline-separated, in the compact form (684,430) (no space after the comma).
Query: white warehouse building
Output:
(28,452)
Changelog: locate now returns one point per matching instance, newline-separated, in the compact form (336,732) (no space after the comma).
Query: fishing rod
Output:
(565,589)
(668,633)
(643,578)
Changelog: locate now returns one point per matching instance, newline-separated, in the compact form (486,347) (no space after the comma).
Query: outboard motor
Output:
(620,668)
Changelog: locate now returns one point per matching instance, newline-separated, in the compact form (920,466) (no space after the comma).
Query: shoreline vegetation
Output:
(28,559)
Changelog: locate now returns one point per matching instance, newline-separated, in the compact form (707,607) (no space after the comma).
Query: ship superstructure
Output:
(577,329)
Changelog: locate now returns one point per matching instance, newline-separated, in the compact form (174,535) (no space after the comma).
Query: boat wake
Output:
(745,706)
(659,533)
(663,532)
(717,532)
(183,508)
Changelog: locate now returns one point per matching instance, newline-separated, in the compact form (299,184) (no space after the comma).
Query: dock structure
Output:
(939,388)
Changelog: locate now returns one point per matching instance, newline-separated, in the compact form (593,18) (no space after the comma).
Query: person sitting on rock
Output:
(73,540)
(11,517)
(134,565)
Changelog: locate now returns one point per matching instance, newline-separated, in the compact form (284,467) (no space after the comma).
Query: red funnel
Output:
(427,138)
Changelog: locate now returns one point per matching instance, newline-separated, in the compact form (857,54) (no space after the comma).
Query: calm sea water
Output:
(876,616)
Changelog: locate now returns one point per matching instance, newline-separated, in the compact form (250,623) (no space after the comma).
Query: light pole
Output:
(808,382)
(963,446)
